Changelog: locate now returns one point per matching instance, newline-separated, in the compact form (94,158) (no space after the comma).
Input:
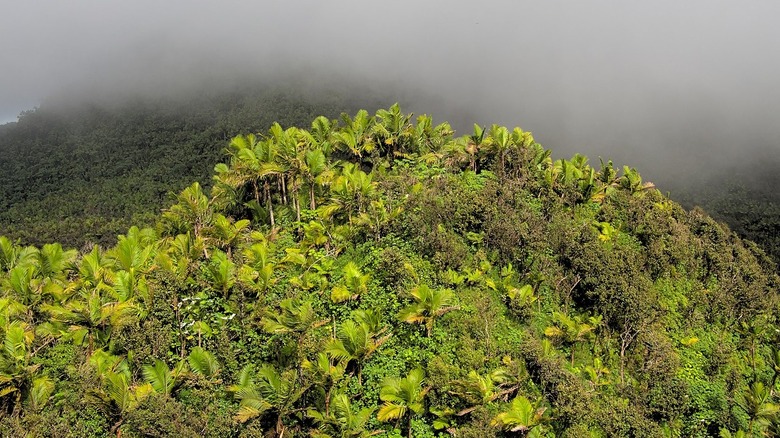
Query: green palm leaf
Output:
(159,376)
(40,392)
(15,344)
(202,362)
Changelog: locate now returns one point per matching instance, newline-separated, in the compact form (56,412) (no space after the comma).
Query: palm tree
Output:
(456,154)
(91,307)
(133,256)
(351,193)
(135,251)
(475,143)
(291,159)
(12,255)
(258,268)
(40,393)
(429,139)
(342,421)
(355,342)
(192,211)
(522,416)
(255,163)
(225,233)
(402,396)
(377,216)
(92,317)
(477,389)
(53,261)
(127,285)
(296,317)
(428,306)
(757,404)
(355,137)
(162,378)
(203,363)
(24,287)
(17,374)
(572,330)
(322,134)
(607,182)
(632,181)
(267,391)
(314,165)
(220,270)
(355,283)
(176,255)
(325,373)
(499,141)
(117,395)
(393,130)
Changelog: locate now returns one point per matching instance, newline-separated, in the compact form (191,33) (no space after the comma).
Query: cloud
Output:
(670,87)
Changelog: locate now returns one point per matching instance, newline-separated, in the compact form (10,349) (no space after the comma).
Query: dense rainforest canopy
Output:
(82,172)
(376,275)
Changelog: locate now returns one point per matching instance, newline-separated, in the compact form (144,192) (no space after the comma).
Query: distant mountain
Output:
(747,198)
(83,172)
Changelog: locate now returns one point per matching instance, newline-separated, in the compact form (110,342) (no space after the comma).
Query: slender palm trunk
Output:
(312,205)
(279,426)
(284,189)
(297,203)
(115,428)
(270,206)
(572,354)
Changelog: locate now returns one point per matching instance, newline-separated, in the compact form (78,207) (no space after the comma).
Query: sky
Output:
(667,86)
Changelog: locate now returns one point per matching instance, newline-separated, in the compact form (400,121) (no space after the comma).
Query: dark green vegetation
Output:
(375,274)
(84,173)
(747,198)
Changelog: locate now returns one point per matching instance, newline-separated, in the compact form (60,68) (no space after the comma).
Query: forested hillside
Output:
(82,173)
(376,276)
(747,198)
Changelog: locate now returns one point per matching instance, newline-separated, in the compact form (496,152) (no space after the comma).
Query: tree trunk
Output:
(625,341)
(270,206)
(115,428)
(257,191)
(297,203)
(312,205)
(284,189)
(572,354)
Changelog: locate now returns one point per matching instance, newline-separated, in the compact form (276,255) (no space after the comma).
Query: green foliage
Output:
(428,306)
(522,416)
(285,300)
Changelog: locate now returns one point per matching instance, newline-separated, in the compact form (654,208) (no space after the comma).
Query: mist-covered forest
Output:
(367,274)
(81,172)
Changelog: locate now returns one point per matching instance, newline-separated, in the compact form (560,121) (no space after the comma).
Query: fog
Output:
(672,88)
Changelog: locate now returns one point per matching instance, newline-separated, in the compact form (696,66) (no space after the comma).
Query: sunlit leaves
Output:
(401,395)
(429,304)
(522,416)
(203,362)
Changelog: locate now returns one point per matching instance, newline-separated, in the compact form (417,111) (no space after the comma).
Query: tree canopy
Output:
(376,275)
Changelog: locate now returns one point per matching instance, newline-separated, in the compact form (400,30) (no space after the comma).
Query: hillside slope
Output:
(375,275)
(82,173)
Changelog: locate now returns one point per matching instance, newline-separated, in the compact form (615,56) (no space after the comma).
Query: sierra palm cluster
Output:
(377,275)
